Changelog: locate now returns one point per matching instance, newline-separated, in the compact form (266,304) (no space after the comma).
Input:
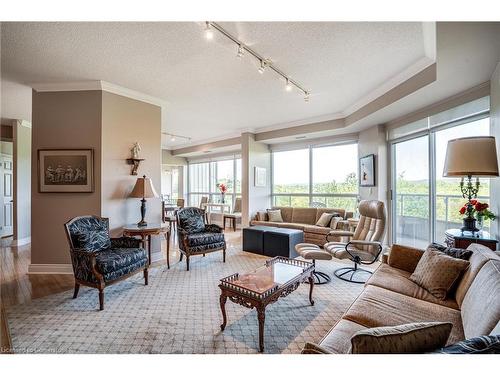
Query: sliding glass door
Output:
(424,204)
(411,187)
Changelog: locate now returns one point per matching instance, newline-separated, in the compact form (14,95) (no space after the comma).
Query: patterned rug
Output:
(178,312)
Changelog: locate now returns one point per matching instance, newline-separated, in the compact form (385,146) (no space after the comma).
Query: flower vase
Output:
(222,199)
(480,222)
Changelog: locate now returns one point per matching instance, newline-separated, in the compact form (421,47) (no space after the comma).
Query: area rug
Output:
(178,312)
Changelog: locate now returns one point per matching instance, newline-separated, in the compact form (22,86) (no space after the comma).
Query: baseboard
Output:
(60,269)
(21,242)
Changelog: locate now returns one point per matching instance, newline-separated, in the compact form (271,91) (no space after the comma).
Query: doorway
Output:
(6,190)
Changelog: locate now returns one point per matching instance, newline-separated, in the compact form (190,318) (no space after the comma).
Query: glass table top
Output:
(268,277)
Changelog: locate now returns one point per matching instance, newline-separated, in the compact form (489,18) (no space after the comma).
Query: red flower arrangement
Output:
(222,188)
(480,210)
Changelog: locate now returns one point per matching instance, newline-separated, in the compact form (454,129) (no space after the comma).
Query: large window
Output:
(204,177)
(426,204)
(323,176)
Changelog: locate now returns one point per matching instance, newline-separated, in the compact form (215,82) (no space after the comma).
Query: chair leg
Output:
(234,224)
(145,276)
(101,299)
(224,255)
(223,223)
(77,288)
(204,255)
(180,258)
(187,263)
(351,272)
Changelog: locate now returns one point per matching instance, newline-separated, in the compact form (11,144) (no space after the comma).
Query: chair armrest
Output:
(213,228)
(125,242)
(338,233)
(84,264)
(405,258)
(310,348)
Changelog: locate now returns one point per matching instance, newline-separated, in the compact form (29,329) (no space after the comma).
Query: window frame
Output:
(310,194)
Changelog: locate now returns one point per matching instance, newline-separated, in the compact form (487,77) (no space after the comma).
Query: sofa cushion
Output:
(404,257)
(408,338)
(93,240)
(274,216)
(111,260)
(338,340)
(437,272)
(304,215)
(334,223)
(338,211)
(399,281)
(262,216)
(481,305)
(453,252)
(191,220)
(475,345)
(286,213)
(324,220)
(264,223)
(480,255)
(378,307)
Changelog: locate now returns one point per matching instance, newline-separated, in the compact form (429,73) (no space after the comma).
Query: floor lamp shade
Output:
(471,156)
(143,189)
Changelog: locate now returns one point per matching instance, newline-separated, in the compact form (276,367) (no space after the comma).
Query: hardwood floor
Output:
(17,287)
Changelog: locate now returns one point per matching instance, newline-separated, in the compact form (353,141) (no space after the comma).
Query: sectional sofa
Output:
(303,219)
(390,298)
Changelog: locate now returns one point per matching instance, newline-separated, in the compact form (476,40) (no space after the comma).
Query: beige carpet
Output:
(178,313)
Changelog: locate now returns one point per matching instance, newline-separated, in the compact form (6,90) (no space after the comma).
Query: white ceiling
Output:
(211,94)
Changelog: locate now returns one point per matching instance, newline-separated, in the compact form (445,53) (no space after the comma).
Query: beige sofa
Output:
(304,219)
(390,298)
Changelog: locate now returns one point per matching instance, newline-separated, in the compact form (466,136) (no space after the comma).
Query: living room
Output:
(184,186)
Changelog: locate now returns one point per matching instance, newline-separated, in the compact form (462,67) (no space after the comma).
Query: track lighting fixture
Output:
(241,51)
(209,34)
(264,64)
(262,67)
(174,137)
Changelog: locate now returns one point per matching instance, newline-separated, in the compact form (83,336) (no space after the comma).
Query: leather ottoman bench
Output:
(272,241)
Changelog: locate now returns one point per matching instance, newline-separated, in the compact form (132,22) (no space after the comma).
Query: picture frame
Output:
(66,170)
(260,175)
(367,171)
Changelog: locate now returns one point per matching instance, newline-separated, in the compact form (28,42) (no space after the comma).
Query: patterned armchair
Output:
(195,237)
(99,261)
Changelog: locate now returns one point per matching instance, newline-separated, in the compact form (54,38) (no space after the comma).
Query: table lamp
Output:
(143,189)
(468,157)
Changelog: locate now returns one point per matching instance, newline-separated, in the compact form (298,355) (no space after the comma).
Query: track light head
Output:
(306,96)
(288,86)
(209,34)
(241,51)
(262,67)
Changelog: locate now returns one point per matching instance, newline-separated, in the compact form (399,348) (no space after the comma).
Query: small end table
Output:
(457,238)
(152,229)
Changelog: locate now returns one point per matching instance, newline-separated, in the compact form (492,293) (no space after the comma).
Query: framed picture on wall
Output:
(260,177)
(66,171)
(367,170)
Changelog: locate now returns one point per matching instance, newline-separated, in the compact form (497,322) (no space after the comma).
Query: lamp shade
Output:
(143,189)
(471,156)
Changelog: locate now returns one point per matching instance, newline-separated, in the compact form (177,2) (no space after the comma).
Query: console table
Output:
(457,238)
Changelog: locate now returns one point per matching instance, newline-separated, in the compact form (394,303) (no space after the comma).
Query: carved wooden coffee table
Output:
(277,278)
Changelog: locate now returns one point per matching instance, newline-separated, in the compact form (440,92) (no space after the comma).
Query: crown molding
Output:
(98,86)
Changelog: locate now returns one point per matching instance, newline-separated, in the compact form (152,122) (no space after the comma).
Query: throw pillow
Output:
(475,345)
(336,219)
(93,240)
(437,272)
(324,220)
(452,251)
(402,339)
(261,215)
(275,216)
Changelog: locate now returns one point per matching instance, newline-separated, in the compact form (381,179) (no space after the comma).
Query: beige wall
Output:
(495,131)
(169,159)
(254,154)
(373,141)
(125,121)
(62,120)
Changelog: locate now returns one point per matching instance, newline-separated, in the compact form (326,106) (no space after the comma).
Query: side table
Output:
(457,238)
(152,229)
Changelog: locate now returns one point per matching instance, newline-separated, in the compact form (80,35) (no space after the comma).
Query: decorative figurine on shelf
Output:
(135,150)
(222,188)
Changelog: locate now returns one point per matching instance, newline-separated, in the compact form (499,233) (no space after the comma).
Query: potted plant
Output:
(222,188)
(480,211)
